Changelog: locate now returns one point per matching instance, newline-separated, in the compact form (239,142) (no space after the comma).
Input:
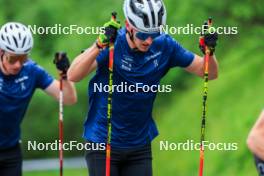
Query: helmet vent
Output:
(15,40)
(24,41)
(132,22)
(146,20)
(19,36)
(8,40)
(152,13)
(160,15)
(27,50)
(10,48)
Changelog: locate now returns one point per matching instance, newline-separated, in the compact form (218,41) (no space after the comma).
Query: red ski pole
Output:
(58,56)
(206,74)
(109,105)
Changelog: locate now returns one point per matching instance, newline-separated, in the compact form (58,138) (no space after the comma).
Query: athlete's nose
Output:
(18,64)
(149,41)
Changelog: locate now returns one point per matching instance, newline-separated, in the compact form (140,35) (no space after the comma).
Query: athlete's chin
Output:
(144,48)
(14,72)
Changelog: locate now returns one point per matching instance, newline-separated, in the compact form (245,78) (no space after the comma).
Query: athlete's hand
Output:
(209,39)
(111,28)
(62,63)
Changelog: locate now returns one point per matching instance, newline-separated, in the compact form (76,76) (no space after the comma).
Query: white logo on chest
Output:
(126,63)
(155,61)
(153,56)
(21,82)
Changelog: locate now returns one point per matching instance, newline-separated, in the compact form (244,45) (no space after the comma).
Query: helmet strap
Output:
(130,34)
(132,39)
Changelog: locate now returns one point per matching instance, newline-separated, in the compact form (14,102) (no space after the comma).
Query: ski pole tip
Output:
(60,54)
(204,28)
(206,23)
(210,19)
(114,14)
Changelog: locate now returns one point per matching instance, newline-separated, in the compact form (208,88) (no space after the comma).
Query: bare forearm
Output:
(69,93)
(213,68)
(255,139)
(82,64)
(197,67)
(256,144)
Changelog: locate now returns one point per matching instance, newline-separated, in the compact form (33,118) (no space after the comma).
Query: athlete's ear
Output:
(128,27)
(1,52)
(127,24)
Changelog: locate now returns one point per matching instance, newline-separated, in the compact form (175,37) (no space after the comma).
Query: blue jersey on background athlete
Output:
(19,78)
(15,94)
(132,122)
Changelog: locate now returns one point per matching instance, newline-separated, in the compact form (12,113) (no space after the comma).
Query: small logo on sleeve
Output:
(1,84)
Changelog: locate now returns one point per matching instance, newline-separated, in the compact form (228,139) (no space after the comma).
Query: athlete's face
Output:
(142,41)
(142,45)
(12,63)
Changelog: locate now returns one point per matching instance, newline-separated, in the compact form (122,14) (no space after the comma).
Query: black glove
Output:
(259,164)
(110,34)
(62,63)
(209,40)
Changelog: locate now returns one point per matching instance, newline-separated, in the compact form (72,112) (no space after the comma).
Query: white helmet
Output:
(16,38)
(145,15)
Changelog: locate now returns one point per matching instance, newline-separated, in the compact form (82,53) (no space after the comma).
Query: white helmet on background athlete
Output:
(16,38)
(145,15)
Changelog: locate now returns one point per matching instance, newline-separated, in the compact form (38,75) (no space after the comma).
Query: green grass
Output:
(67,172)
(234,103)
